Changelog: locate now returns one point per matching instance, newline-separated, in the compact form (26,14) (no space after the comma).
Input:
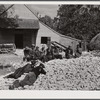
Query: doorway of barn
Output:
(19,41)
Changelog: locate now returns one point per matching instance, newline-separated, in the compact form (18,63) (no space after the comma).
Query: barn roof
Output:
(28,24)
(24,24)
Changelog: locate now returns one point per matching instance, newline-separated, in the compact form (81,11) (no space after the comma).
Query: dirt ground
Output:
(15,60)
(6,58)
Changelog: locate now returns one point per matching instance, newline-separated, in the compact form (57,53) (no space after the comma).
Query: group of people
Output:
(50,53)
(42,54)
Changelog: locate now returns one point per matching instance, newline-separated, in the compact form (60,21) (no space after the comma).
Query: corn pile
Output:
(74,74)
(67,74)
(95,52)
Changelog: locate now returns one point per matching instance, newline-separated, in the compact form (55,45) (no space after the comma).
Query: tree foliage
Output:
(47,20)
(79,21)
(5,21)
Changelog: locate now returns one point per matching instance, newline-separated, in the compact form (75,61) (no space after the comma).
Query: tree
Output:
(47,20)
(5,21)
(79,21)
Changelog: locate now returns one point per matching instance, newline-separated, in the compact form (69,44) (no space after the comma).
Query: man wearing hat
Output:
(26,54)
(32,52)
(37,53)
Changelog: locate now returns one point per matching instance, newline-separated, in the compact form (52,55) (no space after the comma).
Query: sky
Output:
(23,12)
(50,10)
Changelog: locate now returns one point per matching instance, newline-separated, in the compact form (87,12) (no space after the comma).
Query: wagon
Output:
(6,48)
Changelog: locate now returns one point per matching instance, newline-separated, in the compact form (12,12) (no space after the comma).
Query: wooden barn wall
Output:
(8,36)
(45,32)
(34,37)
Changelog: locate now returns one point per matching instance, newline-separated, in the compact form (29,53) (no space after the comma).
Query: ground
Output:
(14,59)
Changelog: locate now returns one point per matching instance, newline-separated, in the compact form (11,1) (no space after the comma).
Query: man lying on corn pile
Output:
(33,70)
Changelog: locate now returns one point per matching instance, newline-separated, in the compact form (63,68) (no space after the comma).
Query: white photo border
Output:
(49,94)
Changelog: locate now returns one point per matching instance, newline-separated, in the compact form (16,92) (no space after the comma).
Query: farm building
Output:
(21,36)
(32,31)
(45,33)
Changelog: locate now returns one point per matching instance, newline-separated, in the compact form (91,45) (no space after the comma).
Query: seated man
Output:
(32,52)
(26,54)
(62,53)
(69,52)
(49,53)
(37,53)
(78,51)
(56,53)
(43,54)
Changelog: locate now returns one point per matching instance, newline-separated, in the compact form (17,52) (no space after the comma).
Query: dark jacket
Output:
(26,69)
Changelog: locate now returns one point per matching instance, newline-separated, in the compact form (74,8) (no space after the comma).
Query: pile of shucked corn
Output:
(74,74)
(68,74)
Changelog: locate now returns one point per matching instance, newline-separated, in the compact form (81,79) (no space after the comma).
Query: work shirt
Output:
(43,52)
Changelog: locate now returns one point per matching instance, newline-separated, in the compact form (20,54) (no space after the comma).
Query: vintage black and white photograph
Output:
(50,47)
